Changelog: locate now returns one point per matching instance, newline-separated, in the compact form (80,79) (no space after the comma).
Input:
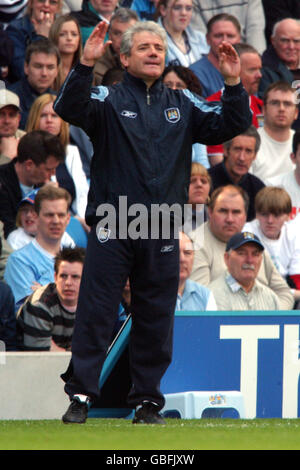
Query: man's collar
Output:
(234,285)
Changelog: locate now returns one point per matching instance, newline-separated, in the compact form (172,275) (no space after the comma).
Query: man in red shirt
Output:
(250,77)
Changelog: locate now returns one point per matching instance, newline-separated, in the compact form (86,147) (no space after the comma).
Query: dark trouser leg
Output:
(154,286)
(107,266)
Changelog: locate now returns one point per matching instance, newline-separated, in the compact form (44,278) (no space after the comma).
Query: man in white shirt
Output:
(280,111)
(290,180)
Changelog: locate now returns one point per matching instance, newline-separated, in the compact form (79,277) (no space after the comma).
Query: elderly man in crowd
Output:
(191,295)
(227,216)
(281,59)
(238,287)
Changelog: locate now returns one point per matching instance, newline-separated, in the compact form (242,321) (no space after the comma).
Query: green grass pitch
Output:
(121,434)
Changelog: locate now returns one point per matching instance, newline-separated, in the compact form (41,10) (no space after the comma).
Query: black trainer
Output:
(148,414)
(77,412)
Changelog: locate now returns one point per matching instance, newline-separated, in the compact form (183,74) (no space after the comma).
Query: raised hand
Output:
(94,47)
(229,63)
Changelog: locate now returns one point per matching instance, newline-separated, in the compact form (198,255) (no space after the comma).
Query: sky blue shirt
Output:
(195,297)
(28,265)
(210,77)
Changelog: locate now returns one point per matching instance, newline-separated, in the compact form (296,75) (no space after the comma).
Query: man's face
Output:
(239,156)
(53,219)
(271,224)
(67,281)
(9,121)
(40,174)
(250,72)
(147,57)
(280,110)
(228,215)
(186,253)
(222,31)
(41,71)
(286,42)
(244,263)
(116,31)
(104,7)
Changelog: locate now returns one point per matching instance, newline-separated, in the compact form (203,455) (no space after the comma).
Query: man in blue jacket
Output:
(142,133)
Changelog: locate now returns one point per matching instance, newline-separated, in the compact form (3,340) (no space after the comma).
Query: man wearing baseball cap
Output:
(238,288)
(10,133)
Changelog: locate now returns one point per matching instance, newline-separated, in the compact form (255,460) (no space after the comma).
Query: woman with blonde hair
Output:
(35,24)
(185,45)
(199,189)
(69,175)
(66,35)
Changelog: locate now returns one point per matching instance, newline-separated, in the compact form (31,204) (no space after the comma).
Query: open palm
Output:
(229,61)
(94,47)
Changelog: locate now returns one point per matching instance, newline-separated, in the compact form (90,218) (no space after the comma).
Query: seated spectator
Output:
(250,77)
(238,288)
(121,20)
(290,180)
(9,125)
(185,45)
(227,216)
(92,12)
(39,153)
(239,154)
(41,67)
(280,238)
(178,77)
(8,333)
(33,26)
(26,222)
(280,111)
(199,189)
(33,265)
(69,174)
(6,55)
(66,35)
(249,14)
(45,322)
(281,59)
(191,295)
(220,28)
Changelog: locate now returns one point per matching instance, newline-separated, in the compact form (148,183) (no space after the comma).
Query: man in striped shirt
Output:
(237,288)
(45,322)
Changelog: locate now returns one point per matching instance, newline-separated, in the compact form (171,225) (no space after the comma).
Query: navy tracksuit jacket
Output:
(142,142)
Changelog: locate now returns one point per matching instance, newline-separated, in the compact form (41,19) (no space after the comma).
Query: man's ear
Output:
(293,157)
(124,60)
(28,164)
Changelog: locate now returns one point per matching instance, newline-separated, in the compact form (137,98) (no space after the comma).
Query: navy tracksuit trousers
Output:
(153,269)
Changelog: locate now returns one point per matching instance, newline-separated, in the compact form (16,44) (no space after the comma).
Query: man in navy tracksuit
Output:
(142,133)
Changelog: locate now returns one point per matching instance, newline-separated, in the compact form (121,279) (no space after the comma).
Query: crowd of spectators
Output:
(242,250)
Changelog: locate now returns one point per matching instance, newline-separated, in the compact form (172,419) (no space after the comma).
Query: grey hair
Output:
(250,132)
(124,15)
(140,27)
